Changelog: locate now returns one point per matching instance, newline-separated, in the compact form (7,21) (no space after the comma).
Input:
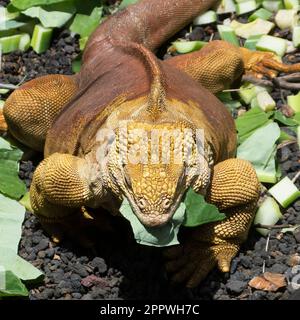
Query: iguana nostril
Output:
(166,203)
(142,203)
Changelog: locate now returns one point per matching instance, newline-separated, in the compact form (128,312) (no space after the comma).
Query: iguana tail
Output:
(149,22)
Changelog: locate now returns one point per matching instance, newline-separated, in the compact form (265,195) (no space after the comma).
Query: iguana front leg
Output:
(62,184)
(234,190)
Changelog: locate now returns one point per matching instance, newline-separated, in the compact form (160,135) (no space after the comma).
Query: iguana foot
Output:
(30,110)
(259,64)
(61,186)
(235,191)
(193,261)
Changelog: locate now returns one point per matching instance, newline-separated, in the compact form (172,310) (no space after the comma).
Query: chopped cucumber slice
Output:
(248,91)
(296,36)
(286,19)
(16,42)
(260,13)
(268,213)
(251,42)
(285,192)
(225,6)
(188,46)
(272,5)
(292,4)
(41,38)
(24,42)
(205,18)
(273,44)
(245,7)
(294,102)
(254,28)
(228,34)
(265,101)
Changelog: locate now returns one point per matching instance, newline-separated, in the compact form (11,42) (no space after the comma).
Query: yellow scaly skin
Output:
(121,80)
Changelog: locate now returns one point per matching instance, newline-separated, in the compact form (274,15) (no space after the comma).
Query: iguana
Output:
(122,84)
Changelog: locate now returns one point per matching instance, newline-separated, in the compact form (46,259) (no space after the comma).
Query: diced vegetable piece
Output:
(265,101)
(225,6)
(272,5)
(285,192)
(254,28)
(251,42)
(228,34)
(273,44)
(244,7)
(16,42)
(9,44)
(188,46)
(294,102)
(268,213)
(24,42)
(41,38)
(260,13)
(296,36)
(286,19)
(290,47)
(292,4)
(205,18)
(248,91)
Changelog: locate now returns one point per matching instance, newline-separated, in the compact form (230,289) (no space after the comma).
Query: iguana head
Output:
(154,172)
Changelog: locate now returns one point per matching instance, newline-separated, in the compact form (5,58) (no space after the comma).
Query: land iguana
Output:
(123,84)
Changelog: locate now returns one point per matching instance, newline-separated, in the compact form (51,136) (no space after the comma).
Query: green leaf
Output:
(25,201)
(126,3)
(10,183)
(284,120)
(84,25)
(20,267)
(52,16)
(259,148)
(25,4)
(251,120)
(198,211)
(13,286)
(157,236)
(11,218)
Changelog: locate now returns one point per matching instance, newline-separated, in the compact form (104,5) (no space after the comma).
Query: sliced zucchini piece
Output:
(285,192)
(273,44)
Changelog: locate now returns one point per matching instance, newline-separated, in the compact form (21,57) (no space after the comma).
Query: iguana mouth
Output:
(155,219)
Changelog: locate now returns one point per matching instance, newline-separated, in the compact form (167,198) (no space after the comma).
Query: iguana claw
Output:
(259,64)
(195,260)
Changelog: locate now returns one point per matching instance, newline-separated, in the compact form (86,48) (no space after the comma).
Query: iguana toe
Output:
(261,64)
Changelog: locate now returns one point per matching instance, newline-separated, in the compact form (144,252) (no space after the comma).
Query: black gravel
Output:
(121,269)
